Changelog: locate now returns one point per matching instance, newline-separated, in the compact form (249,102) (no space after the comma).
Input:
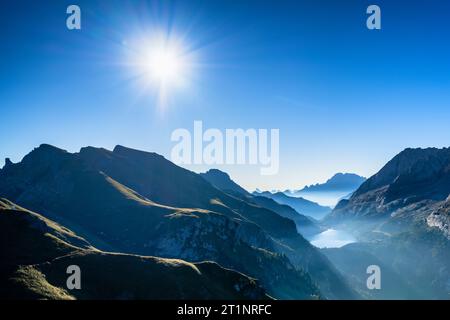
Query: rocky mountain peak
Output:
(218,173)
(8,163)
(417,164)
(45,154)
(223,181)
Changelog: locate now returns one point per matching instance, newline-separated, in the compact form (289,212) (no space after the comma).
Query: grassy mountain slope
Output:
(37,251)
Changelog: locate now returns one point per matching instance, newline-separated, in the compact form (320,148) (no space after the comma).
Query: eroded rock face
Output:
(441,218)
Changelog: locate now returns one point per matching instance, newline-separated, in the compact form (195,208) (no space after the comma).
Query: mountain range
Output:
(138,203)
(141,227)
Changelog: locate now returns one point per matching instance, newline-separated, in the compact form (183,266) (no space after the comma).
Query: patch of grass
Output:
(34,285)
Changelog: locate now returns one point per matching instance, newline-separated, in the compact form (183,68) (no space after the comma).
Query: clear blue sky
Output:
(344,98)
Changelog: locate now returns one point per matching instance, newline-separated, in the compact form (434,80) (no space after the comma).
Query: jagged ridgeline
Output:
(139,204)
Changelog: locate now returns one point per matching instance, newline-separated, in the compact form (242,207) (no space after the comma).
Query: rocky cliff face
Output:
(440,218)
(414,178)
(421,172)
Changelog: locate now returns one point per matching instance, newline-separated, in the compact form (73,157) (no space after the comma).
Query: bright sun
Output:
(161,64)
(165,64)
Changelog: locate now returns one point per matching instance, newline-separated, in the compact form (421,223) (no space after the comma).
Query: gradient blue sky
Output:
(345,99)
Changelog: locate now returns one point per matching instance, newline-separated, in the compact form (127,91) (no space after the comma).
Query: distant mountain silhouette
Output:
(338,187)
(340,182)
(137,202)
(301,205)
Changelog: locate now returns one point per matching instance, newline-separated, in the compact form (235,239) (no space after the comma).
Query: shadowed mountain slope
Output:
(221,180)
(37,251)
